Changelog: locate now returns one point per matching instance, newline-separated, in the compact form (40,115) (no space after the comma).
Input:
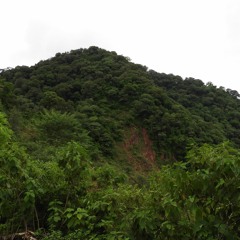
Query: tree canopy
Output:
(94,146)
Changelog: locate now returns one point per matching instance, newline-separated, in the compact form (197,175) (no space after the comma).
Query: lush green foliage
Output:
(75,131)
(104,93)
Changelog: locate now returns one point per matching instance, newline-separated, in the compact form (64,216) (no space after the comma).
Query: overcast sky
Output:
(190,38)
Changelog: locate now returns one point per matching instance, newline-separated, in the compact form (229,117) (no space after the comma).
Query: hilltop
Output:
(89,124)
(106,94)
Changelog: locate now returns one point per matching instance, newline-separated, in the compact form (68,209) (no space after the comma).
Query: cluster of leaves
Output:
(196,199)
(68,197)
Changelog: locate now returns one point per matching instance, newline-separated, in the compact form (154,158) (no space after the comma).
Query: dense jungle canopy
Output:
(94,146)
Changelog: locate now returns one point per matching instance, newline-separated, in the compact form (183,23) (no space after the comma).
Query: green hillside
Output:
(94,146)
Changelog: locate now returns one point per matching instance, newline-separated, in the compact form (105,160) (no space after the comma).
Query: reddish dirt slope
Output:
(138,149)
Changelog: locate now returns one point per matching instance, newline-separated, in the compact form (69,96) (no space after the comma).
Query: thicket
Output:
(68,197)
(63,174)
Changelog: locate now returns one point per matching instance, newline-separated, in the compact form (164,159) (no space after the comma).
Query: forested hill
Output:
(104,95)
(93,146)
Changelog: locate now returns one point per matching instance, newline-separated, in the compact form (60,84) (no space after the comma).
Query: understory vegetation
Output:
(93,146)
